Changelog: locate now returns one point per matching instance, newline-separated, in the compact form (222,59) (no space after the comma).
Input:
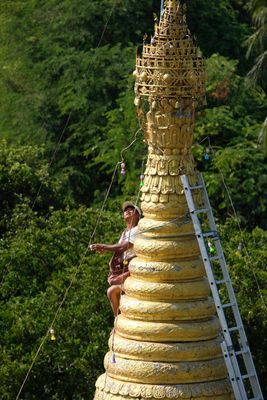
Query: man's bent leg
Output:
(114,294)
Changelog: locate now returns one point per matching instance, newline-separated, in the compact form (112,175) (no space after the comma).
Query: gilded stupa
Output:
(166,340)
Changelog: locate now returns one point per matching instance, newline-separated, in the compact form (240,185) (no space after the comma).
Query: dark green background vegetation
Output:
(66,112)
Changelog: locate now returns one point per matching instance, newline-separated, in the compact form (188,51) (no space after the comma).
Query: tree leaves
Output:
(45,257)
(66,110)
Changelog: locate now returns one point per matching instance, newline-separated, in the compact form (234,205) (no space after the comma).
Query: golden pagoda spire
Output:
(166,341)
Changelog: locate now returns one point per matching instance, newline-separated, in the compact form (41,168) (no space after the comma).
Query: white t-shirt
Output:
(129,236)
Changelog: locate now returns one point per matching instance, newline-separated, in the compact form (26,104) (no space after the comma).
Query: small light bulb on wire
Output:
(52,334)
(142,178)
(207,156)
(211,248)
(239,249)
(123,168)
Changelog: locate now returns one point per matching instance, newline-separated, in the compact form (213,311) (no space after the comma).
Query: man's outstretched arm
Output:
(113,248)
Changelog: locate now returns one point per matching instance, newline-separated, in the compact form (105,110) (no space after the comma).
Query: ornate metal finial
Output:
(170,66)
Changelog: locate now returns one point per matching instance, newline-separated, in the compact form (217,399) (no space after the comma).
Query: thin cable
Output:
(103,206)
(52,158)
(135,138)
(32,364)
(67,123)
(99,216)
(74,276)
(70,284)
(242,239)
(42,183)
(69,116)
(107,22)
(238,224)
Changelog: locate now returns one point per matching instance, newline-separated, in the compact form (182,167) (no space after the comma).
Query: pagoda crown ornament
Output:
(170,66)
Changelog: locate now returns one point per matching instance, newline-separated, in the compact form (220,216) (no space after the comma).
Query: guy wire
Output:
(135,138)
(33,204)
(52,158)
(72,279)
(237,222)
(70,113)
(68,118)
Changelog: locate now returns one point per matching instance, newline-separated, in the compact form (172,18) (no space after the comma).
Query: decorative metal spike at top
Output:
(170,66)
(166,342)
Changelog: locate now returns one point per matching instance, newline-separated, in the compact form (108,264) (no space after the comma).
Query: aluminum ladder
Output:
(236,351)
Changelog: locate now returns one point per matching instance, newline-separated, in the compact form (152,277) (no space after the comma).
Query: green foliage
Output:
(232,123)
(25,179)
(218,27)
(62,81)
(64,73)
(257,42)
(66,96)
(37,265)
(124,141)
(247,259)
(244,171)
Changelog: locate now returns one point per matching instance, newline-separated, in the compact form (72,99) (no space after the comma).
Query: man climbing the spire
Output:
(123,253)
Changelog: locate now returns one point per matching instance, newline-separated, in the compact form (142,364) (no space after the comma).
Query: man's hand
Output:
(98,247)
(113,248)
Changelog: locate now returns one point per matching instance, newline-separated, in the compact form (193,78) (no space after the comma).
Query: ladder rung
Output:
(215,258)
(222,281)
(228,305)
(212,234)
(234,328)
(247,376)
(200,210)
(238,353)
(196,187)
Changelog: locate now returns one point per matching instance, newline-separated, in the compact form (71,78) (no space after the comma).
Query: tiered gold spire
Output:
(166,338)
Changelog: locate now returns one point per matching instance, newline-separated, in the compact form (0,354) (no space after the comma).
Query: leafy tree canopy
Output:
(66,120)
(37,265)
(25,179)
